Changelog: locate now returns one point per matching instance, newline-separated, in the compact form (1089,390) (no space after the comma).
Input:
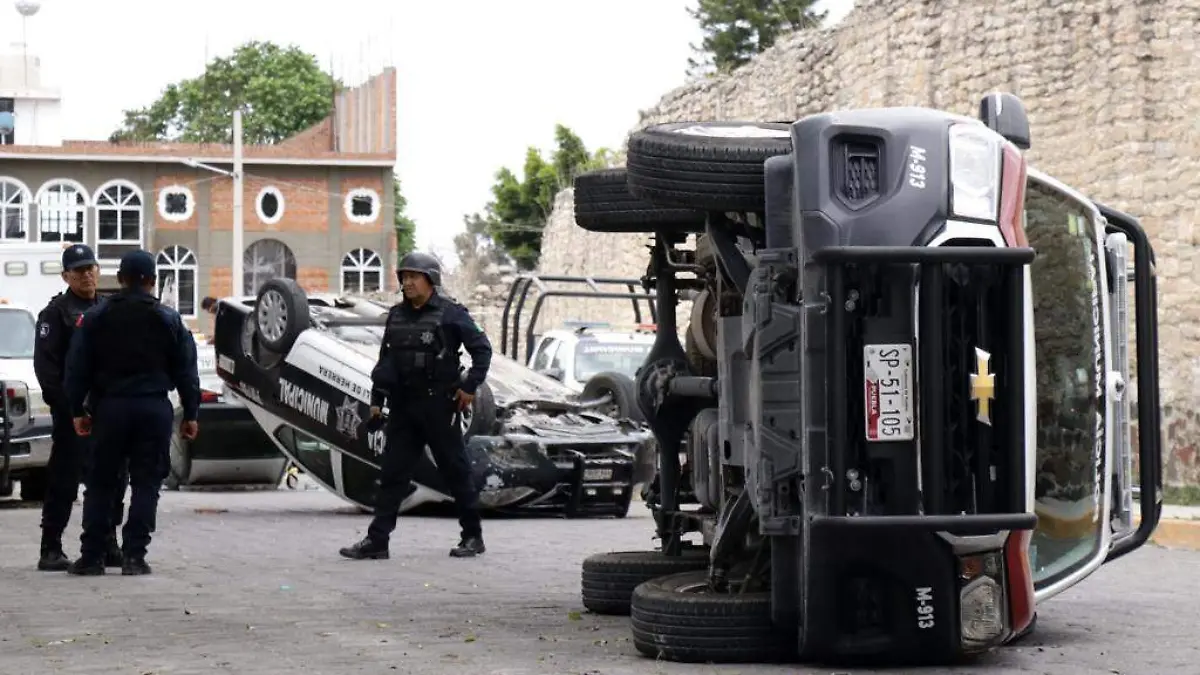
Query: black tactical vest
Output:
(130,339)
(417,350)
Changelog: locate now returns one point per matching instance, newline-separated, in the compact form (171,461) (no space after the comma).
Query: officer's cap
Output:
(136,265)
(78,255)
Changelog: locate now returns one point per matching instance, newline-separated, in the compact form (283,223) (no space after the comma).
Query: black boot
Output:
(367,549)
(113,556)
(52,558)
(133,565)
(83,567)
(469,547)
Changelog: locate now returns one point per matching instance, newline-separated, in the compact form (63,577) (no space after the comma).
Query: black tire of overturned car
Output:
(288,297)
(483,412)
(711,166)
(603,203)
(676,618)
(609,578)
(621,387)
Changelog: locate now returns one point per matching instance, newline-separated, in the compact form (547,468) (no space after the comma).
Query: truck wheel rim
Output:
(272,315)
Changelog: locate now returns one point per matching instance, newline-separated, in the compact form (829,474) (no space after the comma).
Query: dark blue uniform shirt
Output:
(459,329)
(81,365)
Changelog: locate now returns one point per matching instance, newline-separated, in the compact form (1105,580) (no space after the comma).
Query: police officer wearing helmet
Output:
(128,353)
(419,374)
(68,452)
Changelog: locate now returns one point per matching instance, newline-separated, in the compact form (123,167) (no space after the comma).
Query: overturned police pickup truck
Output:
(304,371)
(904,409)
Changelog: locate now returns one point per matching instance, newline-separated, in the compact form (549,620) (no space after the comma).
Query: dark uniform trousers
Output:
(70,459)
(132,430)
(419,418)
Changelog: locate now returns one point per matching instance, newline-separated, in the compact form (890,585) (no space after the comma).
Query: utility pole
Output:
(238,189)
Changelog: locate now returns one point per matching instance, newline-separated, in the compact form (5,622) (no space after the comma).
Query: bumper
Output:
(30,449)
(912,589)
(529,476)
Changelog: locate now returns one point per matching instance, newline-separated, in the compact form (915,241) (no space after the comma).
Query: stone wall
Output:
(1113,92)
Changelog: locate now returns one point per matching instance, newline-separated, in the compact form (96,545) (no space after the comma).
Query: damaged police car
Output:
(303,371)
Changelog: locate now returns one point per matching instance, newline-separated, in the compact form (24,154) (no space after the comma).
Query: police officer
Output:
(419,374)
(68,453)
(128,353)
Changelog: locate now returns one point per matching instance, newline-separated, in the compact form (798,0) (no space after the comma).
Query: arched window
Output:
(362,271)
(61,210)
(177,274)
(266,259)
(118,219)
(14,210)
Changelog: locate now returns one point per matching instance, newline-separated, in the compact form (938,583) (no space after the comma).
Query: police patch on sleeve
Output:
(43,329)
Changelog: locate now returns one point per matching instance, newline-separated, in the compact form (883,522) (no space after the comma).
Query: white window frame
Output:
(73,210)
(18,201)
(175,217)
(172,260)
(359,261)
(269,190)
(348,206)
(134,193)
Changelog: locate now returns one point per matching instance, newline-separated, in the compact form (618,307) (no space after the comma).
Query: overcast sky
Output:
(479,80)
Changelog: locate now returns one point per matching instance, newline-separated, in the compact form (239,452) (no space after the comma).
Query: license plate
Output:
(597,474)
(888,385)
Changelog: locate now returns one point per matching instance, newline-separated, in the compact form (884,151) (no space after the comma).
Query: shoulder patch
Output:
(43,328)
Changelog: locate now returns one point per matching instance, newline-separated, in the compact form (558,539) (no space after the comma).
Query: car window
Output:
(1069,343)
(16,334)
(541,359)
(592,356)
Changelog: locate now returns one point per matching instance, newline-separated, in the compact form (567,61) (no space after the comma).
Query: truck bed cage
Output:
(526,282)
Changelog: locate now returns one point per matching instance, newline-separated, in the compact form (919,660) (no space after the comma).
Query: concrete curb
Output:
(1179,527)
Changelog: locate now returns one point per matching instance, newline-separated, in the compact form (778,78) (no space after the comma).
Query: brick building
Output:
(317,207)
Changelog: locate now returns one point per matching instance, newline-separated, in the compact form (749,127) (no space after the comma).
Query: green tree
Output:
(517,215)
(280,90)
(406,229)
(736,30)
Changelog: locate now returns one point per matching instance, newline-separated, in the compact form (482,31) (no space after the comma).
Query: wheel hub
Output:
(272,315)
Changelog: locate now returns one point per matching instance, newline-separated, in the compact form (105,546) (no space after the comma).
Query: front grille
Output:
(969,464)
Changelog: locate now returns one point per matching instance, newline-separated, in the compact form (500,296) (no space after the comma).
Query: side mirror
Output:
(1005,114)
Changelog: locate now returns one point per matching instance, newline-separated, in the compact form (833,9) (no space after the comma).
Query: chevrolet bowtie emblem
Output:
(983,386)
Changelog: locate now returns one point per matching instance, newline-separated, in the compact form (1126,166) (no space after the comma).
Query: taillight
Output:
(209,397)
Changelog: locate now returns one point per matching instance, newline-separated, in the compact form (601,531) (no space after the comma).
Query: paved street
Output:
(251,583)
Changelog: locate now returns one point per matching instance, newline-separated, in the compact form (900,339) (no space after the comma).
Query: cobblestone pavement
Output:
(251,583)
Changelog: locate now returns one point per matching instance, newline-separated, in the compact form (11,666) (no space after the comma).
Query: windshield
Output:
(16,334)
(593,357)
(1069,339)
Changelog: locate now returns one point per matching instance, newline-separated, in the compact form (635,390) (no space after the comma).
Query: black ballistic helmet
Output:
(423,263)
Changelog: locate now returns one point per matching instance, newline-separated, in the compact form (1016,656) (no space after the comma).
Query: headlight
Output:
(982,612)
(975,159)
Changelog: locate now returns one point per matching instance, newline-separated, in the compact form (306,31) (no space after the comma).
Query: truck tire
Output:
(482,417)
(609,578)
(280,314)
(603,203)
(712,166)
(675,618)
(623,392)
